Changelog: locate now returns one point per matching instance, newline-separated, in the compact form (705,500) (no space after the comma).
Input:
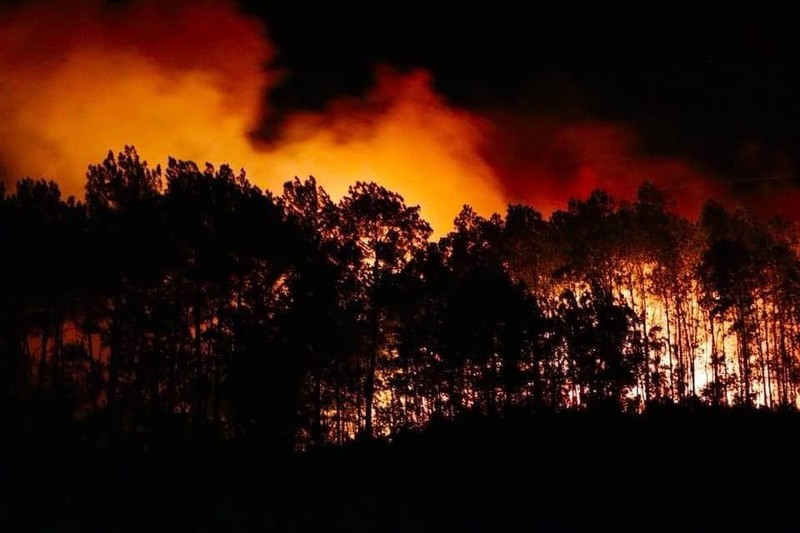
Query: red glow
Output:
(189,80)
(548,161)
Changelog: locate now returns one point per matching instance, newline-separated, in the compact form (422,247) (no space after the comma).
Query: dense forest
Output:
(186,299)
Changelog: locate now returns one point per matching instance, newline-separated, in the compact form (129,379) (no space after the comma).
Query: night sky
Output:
(717,87)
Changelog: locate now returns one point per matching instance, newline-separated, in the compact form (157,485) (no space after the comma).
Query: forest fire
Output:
(246,288)
(190,80)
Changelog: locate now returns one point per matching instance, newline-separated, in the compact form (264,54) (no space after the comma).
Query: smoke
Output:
(547,161)
(83,77)
(191,80)
(403,135)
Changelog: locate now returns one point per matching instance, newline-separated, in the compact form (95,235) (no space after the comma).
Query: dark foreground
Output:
(674,470)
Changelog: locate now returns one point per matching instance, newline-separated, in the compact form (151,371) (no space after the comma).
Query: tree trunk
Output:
(369,385)
(669,349)
(43,361)
(113,361)
(372,356)
(317,437)
(199,393)
(717,387)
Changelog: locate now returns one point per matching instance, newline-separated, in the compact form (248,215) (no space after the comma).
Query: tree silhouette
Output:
(188,300)
(386,233)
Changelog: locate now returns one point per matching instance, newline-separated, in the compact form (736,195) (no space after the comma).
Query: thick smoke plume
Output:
(192,79)
(547,161)
(189,81)
(82,77)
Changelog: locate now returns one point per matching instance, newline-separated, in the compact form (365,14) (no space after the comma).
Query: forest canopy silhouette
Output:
(187,297)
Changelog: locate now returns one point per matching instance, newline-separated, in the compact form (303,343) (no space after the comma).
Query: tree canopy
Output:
(186,294)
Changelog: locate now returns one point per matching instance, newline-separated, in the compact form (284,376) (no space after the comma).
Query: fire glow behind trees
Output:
(191,80)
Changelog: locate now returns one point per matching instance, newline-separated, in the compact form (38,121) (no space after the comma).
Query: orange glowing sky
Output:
(192,79)
(188,81)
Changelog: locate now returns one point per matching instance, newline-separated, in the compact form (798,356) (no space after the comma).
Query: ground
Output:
(690,470)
